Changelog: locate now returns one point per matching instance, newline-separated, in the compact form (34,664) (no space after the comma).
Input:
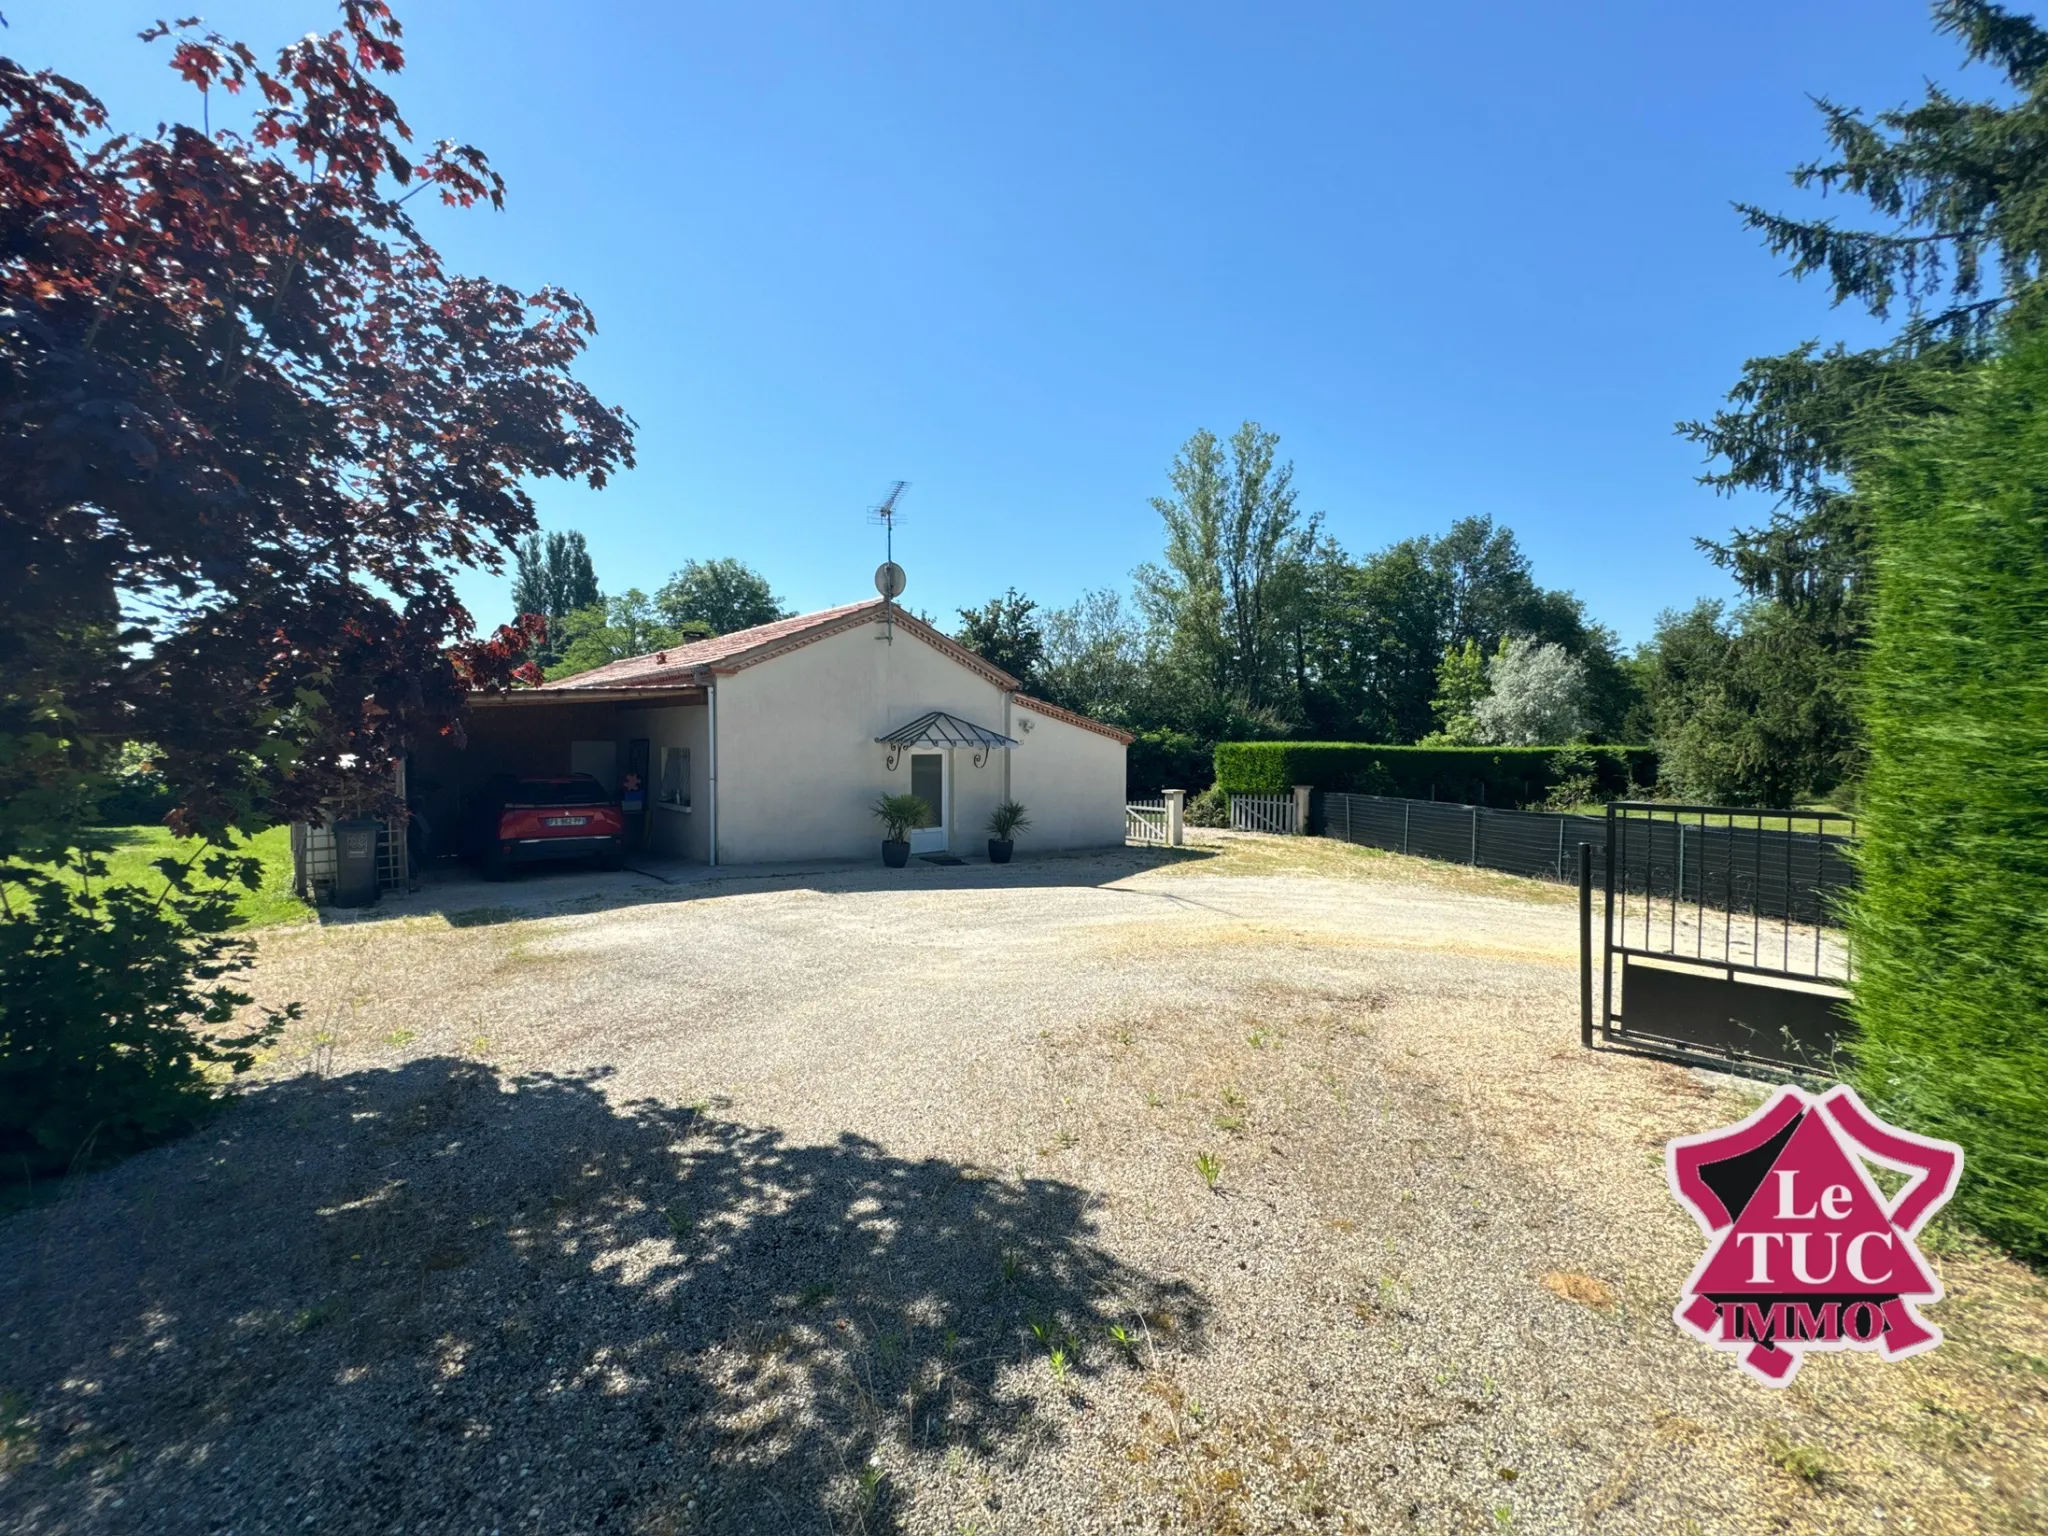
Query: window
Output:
(675,778)
(928,783)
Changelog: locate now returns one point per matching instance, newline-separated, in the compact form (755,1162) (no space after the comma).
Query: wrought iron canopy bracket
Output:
(939,729)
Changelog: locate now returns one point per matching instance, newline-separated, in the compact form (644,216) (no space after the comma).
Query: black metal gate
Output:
(1722,934)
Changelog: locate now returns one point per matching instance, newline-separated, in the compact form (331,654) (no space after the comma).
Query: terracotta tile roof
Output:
(678,663)
(742,648)
(1086,722)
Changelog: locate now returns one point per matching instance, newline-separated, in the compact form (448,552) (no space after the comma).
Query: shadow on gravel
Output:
(449,890)
(439,1299)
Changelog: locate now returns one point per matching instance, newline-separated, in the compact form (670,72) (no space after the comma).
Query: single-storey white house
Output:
(774,743)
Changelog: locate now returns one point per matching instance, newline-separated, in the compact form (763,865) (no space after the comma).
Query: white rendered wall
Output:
(799,769)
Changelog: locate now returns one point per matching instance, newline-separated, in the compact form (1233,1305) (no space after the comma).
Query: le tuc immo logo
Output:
(1804,1250)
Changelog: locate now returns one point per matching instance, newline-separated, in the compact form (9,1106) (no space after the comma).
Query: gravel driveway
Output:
(871,1201)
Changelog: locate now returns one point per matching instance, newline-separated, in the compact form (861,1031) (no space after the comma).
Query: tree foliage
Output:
(726,595)
(553,577)
(1535,696)
(624,625)
(1006,632)
(1959,190)
(1096,661)
(251,427)
(1225,593)
(1377,633)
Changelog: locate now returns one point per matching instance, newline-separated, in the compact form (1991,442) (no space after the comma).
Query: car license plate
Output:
(567,821)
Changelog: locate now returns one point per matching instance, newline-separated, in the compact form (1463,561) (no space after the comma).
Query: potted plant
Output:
(1004,823)
(898,814)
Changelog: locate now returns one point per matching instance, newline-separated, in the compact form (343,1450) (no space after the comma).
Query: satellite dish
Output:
(890,580)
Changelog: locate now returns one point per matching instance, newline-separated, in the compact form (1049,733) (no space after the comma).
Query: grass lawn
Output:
(131,852)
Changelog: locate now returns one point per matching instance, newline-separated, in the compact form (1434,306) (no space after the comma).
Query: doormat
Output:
(940,858)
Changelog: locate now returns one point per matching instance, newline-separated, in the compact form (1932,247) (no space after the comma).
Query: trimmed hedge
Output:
(1502,776)
(1951,924)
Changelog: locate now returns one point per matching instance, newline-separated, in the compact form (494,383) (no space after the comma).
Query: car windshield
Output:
(557,792)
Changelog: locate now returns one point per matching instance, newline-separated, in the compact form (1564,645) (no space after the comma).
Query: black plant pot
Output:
(999,850)
(895,855)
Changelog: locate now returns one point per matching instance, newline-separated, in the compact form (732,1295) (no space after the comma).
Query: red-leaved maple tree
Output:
(250,429)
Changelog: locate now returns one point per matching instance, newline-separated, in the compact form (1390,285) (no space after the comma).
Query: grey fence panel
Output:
(1442,831)
(1772,873)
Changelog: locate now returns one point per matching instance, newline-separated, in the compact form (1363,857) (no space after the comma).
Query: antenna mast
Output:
(890,579)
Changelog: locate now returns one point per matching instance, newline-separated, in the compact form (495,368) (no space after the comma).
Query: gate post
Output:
(1176,803)
(1301,794)
(1585,944)
(1607,935)
(1475,837)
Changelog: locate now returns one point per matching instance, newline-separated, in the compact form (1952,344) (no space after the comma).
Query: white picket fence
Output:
(1263,813)
(1145,822)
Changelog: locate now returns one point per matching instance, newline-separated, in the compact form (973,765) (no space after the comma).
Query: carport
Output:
(622,737)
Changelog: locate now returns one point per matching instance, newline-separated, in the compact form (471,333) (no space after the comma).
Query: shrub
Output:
(1168,760)
(138,794)
(899,814)
(1951,922)
(1007,820)
(1502,776)
(1211,808)
(112,1003)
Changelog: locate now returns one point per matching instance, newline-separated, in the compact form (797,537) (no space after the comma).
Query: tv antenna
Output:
(890,579)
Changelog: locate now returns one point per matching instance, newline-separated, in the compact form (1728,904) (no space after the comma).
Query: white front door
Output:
(932,783)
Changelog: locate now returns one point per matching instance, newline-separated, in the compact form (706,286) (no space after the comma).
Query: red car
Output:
(533,821)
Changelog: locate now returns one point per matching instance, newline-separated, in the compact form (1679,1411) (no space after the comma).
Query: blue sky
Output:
(1464,259)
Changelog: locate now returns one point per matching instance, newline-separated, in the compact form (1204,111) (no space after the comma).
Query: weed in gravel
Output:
(867,1492)
(1009,1268)
(1258,1039)
(816,1294)
(401,1037)
(1210,1167)
(1230,1118)
(322,1312)
(680,1221)
(17,1433)
(1124,1341)
(1056,1359)
(1811,1464)
(1054,1335)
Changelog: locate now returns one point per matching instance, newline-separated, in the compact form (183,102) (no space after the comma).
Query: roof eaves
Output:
(1073,717)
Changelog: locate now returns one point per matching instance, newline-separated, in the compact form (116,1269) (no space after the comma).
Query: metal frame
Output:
(939,729)
(1700,873)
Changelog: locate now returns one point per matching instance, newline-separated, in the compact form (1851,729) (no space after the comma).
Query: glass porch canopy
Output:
(939,729)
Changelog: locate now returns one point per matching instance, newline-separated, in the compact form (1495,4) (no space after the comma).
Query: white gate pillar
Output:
(1301,794)
(1176,808)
